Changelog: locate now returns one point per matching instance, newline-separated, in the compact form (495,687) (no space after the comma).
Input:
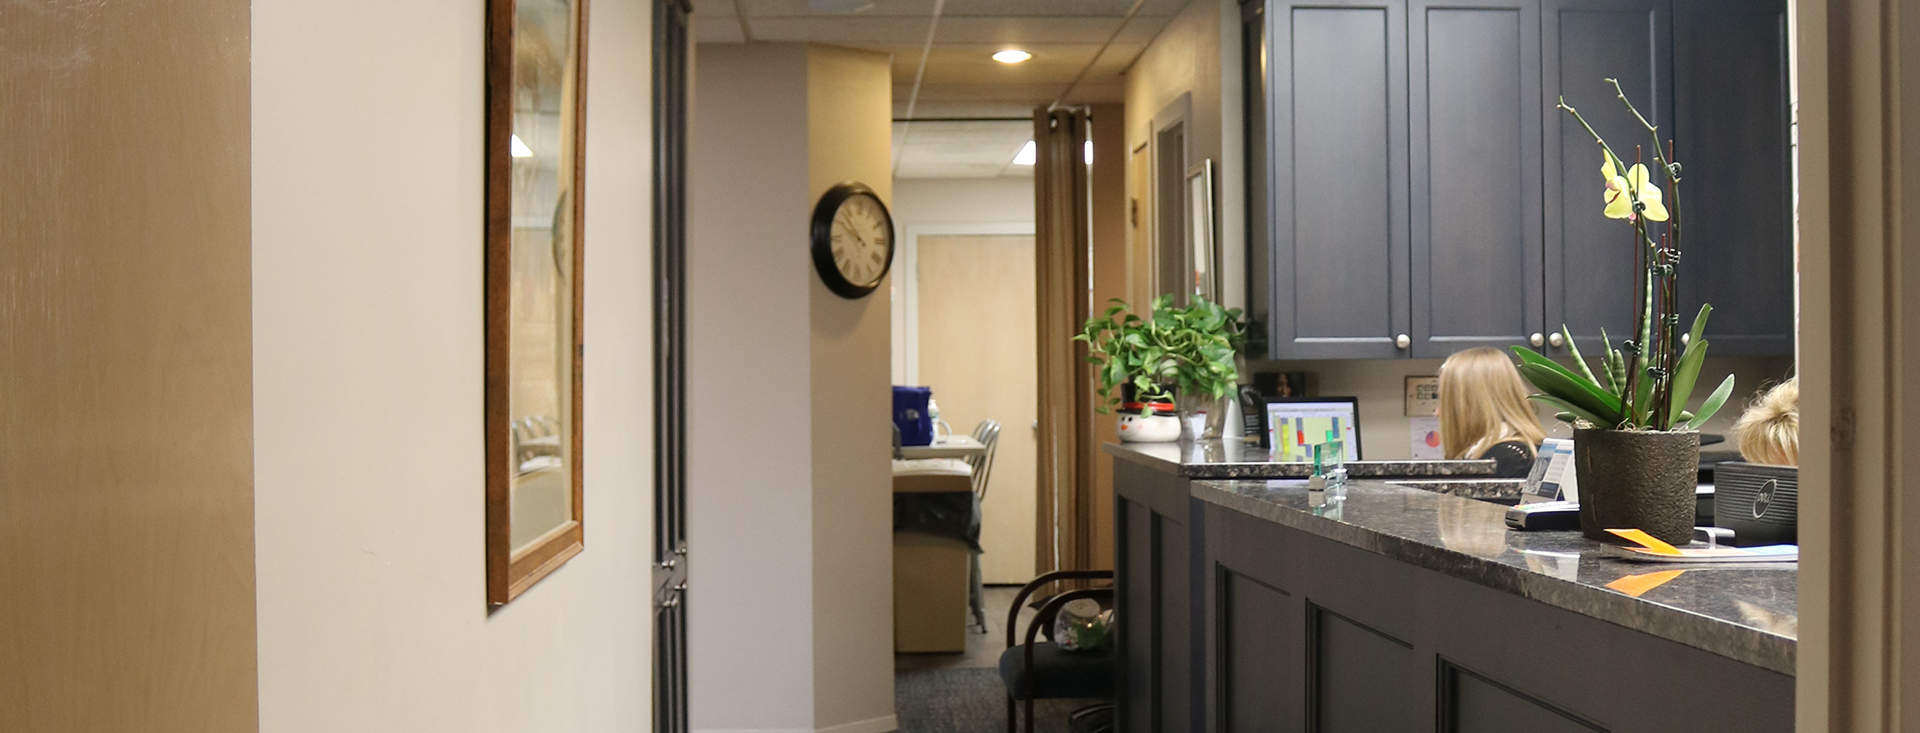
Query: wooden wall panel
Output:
(126,472)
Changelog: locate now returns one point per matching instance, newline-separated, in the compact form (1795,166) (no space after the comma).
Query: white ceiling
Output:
(959,149)
(961,80)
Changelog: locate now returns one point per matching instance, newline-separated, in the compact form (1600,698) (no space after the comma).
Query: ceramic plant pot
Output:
(1633,479)
(1153,422)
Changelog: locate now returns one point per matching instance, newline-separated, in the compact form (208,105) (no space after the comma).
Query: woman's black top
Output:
(1511,458)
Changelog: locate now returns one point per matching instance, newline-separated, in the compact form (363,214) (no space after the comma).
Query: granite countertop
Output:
(1485,489)
(1216,459)
(1743,612)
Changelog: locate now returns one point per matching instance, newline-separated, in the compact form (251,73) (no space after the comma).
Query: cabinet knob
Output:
(1537,340)
(1557,340)
(1402,341)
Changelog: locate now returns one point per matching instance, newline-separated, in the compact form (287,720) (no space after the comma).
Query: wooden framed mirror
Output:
(536,109)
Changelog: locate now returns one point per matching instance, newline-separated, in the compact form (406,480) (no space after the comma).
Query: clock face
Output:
(852,240)
(862,240)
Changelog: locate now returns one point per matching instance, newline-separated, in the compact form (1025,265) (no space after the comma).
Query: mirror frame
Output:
(511,573)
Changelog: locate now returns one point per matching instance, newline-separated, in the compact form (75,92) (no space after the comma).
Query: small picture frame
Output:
(1202,248)
(1281,384)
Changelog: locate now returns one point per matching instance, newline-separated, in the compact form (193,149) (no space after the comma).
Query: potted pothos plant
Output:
(1176,359)
(1636,446)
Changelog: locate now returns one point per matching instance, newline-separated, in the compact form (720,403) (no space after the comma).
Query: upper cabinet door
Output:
(1338,116)
(1475,147)
(1590,271)
(1731,138)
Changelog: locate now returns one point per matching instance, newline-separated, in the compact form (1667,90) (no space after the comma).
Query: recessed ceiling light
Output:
(1027,155)
(840,6)
(518,149)
(1012,56)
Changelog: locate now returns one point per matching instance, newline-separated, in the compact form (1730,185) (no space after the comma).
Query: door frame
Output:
(906,300)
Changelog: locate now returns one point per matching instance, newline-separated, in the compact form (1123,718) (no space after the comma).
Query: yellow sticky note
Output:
(1652,543)
(1634,585)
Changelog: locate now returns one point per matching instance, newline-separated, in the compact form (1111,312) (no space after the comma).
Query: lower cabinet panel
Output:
(1363,680)
(1307,634)
(1173,647)
(1135,600)
(1255,670)
(1474,704)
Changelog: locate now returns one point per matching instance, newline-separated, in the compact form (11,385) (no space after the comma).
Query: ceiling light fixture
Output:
(1027,155)
(1012,56)
(840,6)
(518,149)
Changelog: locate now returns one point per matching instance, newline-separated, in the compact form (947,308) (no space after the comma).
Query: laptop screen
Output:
(1294,426)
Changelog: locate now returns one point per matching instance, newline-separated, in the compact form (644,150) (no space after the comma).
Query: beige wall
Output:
(748,382)
(126,473)
(849,137)
(367,221)
(798,635)
(1193,55)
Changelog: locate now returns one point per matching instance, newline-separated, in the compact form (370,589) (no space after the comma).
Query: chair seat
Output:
(1059,674)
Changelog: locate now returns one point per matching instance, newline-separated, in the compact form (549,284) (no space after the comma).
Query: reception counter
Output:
(1258,605)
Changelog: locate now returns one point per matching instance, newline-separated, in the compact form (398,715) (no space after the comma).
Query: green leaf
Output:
(1642,399)
(1579,360)
(1713,403)
(1570,390)
(1568,410)
(1604,403)
(1700,324)
(1685,374)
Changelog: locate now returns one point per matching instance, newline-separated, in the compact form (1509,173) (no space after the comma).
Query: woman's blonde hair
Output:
(1769,431)
(1483,402)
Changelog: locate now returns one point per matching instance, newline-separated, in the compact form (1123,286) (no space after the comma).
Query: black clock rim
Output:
(822,235)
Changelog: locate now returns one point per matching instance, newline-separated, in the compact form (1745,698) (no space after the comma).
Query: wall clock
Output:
(852,239)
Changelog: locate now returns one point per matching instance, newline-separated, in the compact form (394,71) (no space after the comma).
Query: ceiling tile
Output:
(874,31)
(712,8)
(962,8)
(717,30)
(958,149)
(1107,8)
(800,8)
(937,108)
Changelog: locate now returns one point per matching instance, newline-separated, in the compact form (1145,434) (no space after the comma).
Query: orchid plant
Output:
(1647,380)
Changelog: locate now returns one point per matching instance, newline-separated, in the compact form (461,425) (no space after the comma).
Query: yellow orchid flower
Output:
(1619,203)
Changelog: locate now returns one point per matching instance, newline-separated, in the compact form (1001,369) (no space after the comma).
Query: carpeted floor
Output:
(967,700)
(961,693)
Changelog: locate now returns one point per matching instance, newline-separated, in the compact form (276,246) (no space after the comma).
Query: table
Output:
(958,446)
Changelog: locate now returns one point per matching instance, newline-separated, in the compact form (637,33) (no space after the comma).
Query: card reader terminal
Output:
(1545,516)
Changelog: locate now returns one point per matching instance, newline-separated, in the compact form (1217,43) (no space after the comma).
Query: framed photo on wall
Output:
(1202,250)
(536,110)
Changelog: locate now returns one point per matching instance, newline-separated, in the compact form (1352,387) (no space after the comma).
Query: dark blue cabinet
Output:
(1413,192)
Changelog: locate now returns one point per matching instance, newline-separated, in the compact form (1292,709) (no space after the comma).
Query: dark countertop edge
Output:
(1231,470)
(1743,644)
(1122,452)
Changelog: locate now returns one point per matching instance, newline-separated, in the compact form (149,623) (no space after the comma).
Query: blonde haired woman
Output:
(1769,431)
(1484,412)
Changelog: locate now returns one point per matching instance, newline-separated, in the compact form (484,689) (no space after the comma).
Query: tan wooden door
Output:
(977,352)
